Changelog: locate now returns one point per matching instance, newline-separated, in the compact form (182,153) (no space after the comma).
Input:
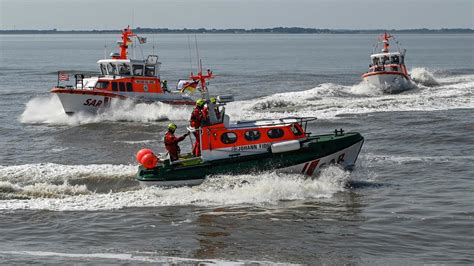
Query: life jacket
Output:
(171,144)
(196,118)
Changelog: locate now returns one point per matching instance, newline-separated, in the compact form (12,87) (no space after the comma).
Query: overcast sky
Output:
(332,14)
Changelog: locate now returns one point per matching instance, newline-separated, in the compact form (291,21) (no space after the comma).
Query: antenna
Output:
(105,42)
(190,57)
(133,18)
(197,53)
(153,47)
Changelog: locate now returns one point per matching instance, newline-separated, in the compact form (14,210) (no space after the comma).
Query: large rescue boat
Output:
(120,78)
(387,70)
(251,146)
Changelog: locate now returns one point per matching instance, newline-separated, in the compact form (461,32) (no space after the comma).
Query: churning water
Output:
(67,189)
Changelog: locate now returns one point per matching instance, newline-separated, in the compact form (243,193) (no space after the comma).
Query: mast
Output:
(384,39)
(126,33)
(202,79)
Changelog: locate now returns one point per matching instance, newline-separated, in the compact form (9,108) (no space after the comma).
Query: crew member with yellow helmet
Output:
(197,118)
(205,110)
(171,142)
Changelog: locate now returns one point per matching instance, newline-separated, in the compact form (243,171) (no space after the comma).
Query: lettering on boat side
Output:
(254,147)
(309,167)
(94,103)
(145,81)
(245,148)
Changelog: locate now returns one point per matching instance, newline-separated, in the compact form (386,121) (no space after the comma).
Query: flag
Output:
(141,40)
(63,76)
(187,85)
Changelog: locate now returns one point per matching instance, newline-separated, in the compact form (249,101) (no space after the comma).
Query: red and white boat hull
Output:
(389,82)
(93,101)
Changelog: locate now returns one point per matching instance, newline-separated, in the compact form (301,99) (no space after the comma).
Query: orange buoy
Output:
(149,161)
(142,153)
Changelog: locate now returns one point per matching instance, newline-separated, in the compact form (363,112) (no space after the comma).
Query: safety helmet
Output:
(213,100)
(200,103)
(172,126)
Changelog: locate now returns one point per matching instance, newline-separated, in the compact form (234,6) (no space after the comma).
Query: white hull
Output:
(89,102)
(389,83)
(74,103)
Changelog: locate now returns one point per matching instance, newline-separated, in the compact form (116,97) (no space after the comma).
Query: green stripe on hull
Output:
(314,147)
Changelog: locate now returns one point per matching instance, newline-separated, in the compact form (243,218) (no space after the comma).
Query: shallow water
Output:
(67,191)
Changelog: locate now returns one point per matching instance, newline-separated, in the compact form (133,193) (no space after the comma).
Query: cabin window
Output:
(228,138)
(395,60)
(114,86)
(150,71)
(122,86)
(112,69)
(394,68)
(137,70)
(103,69)
(102,85)
(129,86)
(124,69)
(296,130)
(252,135)
(275,133)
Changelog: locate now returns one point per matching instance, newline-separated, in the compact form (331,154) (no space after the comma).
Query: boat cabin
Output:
(387,62)
(130,67)
(387,59)
(221,141)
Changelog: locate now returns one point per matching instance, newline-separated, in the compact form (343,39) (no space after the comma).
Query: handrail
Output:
(280,122)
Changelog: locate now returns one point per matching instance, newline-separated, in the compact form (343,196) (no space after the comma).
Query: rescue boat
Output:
(120,78)
(387,70)
(250,146)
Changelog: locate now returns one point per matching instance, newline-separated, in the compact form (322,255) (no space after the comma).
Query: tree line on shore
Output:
(276,30)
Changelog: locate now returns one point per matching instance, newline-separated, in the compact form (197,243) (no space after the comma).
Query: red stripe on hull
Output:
(385,73)
(113,95)
(88,92)
(312,167)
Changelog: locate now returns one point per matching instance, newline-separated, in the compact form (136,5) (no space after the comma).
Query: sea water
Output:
(67,188)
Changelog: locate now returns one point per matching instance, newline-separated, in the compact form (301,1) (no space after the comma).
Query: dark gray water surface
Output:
(67,192)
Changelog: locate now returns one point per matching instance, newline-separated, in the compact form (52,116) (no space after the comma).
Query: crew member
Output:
(197,118)
(171,142)
(205,110)
(164,86)
(216,108)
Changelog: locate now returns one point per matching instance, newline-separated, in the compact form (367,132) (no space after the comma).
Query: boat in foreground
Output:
(387,70)
(252,146)
(121,78)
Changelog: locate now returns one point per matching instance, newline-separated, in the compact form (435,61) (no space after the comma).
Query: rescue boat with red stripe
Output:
(387,70)
(251,146)
(120,78)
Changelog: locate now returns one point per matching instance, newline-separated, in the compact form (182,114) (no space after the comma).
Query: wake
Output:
(325,101)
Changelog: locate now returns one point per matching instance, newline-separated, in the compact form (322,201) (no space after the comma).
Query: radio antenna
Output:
(197,53)
(190,56)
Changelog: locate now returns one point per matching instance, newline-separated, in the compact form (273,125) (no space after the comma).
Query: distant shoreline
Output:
(277,30)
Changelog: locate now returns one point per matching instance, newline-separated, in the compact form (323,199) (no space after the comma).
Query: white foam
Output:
(328,100)
(263,189)
(134,257)
(30,174)
(423,76)
(414,159)
(48,110)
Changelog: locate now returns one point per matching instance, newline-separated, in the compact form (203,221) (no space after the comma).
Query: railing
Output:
(78,77)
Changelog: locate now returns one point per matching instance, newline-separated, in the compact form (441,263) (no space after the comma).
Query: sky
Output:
(247,14)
